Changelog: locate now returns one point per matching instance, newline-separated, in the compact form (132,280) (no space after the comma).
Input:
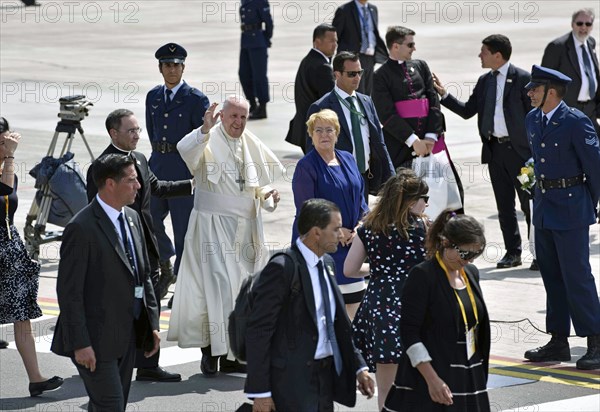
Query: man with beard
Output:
(574,55)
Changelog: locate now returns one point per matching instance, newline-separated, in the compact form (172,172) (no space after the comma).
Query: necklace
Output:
(236,159)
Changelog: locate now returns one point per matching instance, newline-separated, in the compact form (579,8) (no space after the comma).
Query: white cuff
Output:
(445,95)
(201,137)
(364,368)
(259,395)
(431,136)
(417,353)
(411,139)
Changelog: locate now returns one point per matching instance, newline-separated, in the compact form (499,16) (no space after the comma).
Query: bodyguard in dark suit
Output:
(356,24)
(360,132)
(500,102)
(313,79)
(105,294)
(172,111)
(124,131)
(574,55)
(257,30)
(567,170)
(299,347)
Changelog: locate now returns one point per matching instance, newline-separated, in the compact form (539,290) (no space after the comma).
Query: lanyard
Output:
(469,292)
(352,109)
(7,218)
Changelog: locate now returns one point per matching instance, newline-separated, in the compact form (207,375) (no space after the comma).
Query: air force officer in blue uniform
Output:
(257,30)
(173,109)
(567,170)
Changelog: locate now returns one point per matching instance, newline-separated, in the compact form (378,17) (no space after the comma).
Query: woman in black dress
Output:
(393,238)
(19,275)
(444,325)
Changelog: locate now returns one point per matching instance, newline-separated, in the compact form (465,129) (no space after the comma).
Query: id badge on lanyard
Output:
(138,293)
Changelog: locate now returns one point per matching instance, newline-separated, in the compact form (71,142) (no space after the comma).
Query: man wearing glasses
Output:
(574,55)
(360,132)
(124,131)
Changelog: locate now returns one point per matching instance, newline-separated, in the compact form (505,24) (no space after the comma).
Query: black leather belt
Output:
(560,183)
(501,139)
(164,147)
(324,362)
(249,27)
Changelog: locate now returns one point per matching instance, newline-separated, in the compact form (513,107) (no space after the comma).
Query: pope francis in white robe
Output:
(224,241)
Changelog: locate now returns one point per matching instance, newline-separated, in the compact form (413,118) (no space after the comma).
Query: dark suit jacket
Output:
(347,24)
(380,164)
(150,185)
(95,287)
(431,315)
(390,85)
(516,106)
(281,339)
(313,80)
(560,54)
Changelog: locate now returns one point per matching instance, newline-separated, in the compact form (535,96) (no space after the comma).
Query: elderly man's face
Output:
(234,118)
(581,30)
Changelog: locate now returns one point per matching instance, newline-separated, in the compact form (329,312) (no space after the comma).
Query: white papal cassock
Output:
(224,241)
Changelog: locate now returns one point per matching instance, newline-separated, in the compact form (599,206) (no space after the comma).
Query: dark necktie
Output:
(137,302)
(589,72)
(337,355)
(359,146)
(544,122)
(489,107)
(168,94)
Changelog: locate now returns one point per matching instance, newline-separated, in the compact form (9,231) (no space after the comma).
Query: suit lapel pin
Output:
(412,69)
(508,80)
(155,107)
(130,221)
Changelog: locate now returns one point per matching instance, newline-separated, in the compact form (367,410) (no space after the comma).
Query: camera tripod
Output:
(37,217)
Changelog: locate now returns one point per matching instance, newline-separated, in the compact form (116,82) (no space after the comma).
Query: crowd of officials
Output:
(317,328)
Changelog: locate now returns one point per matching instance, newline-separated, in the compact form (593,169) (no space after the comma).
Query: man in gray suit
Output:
(105,294)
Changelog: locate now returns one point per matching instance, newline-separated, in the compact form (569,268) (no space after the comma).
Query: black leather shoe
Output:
(227,366)
(209,363)
(591,360)
(156,374)
(555,350)
(534,265)
(170,303)
(509,261)
(37,388)
(167,278)
(259,113)
(3,344)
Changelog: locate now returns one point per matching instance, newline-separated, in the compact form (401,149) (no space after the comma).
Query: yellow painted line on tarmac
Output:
(533,367)
(544,378)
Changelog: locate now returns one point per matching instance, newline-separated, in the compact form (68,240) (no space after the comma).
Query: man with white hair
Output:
(224,243)
(574,55)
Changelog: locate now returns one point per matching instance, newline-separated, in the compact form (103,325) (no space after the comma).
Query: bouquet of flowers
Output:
(527,177)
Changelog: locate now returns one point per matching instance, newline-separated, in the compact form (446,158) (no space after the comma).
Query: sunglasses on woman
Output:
(467,254)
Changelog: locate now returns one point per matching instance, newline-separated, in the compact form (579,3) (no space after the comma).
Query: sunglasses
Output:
(425,198)
(581,23)
(354,74)
(467,254)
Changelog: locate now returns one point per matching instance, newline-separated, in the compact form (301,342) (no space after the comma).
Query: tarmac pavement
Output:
(105,49)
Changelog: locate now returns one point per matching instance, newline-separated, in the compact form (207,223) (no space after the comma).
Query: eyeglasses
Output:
(581,23)
(134,131)
(329,130)
(425,198)
(354,74)
(409,45)
(467,254)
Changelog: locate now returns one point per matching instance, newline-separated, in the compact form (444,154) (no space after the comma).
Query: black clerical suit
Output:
(95,289)
(313,80)
(347,23)
(282,336)
(560,54)
(150,185)
(505,157)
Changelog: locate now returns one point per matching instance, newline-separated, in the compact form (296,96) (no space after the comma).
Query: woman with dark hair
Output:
(19,275)
(393,238)
(444,325)
(332,174)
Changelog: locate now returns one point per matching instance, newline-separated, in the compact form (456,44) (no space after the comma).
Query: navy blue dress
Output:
(342,185)
(19,275)
(376,326)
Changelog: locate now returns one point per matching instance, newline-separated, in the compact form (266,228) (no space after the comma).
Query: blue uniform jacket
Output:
(256,12)
(567,147)
(170,124)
